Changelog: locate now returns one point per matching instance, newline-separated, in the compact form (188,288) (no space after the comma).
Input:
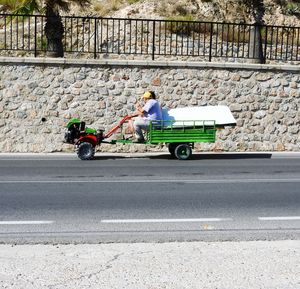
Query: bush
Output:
(186,25)
(293,8)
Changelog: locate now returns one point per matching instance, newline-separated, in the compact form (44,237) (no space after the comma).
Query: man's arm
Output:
(140,110)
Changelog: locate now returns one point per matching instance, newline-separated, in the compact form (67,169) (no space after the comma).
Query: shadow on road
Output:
(220,156)
(214,156)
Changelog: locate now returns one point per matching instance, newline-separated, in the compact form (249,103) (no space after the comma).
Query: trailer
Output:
(178,130)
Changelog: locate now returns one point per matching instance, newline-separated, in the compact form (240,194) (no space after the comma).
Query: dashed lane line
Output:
(283,218)
(26,222)
(122,221)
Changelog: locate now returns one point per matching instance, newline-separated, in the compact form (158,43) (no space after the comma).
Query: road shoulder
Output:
(259,264)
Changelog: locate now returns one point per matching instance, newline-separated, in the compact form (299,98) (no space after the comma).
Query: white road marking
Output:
(25,222)
(206,181)
(287,218)
(122,221)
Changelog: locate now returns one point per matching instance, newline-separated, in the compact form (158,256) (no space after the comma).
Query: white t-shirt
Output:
(152,110)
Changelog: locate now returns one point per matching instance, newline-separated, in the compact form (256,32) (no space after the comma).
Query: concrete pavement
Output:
(194,265)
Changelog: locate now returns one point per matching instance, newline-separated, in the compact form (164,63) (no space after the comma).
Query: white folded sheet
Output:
(219,115)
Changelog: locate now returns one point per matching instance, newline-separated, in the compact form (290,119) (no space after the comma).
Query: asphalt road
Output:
(60,199)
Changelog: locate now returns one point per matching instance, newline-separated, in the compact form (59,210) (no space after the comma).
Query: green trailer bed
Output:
(188,132)
(179,138)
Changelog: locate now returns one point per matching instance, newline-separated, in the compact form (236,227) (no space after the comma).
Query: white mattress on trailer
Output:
(199,115)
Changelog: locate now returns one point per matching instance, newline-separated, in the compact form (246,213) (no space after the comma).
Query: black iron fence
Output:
(91,37)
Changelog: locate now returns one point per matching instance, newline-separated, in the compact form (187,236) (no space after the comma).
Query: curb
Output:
(149,154)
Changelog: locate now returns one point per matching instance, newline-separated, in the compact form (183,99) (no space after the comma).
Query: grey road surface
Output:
(55,199)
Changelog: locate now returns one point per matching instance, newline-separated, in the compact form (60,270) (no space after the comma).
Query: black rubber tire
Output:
(172,147)
(85,151)
(183,151)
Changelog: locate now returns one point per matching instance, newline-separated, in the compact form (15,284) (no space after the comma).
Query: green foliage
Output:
(31,6)
(293,8)
(19,6)
(41,43)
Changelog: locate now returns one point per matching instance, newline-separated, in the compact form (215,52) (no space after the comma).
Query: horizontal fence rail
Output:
(91,37)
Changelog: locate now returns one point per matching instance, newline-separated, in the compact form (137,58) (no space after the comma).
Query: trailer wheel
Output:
(183,151)
(85,151)
(172,147)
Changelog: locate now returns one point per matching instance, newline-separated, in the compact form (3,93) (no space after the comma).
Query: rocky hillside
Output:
(278,12)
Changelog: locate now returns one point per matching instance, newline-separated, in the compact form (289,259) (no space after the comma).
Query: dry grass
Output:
(133,1)
(105,7)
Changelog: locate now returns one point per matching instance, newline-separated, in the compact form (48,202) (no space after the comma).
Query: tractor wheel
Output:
(183,151)
(85,151)
(172,147)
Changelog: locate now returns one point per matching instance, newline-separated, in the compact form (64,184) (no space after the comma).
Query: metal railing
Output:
(91,37)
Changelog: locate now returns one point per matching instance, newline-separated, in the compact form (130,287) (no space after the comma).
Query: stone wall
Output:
(38,97)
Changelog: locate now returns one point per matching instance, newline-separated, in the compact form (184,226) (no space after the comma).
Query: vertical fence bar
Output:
(244,39)
(238,41)
(119,28)
(298,30)
(107,36)
(159,37)
(176,37)
(281,42)
(42,34)
(29,47)
(101,31)
(222,40)
(148,32)
(227,39)
(82,29)
(95,38)
(271,46)
(217,35)
(35,36)
(233,40)
(124,21)
(130,34)
(165,37)
(292,48)
(204,39)
(23,32)
(153,40)
(287,44)
(17,32)
(65,34)
(266,44)
(210,41)
(276,43)
(71,34)
(89,36)
(198,42)
(5,27)
(136,36)
(77,40)
(193,38)
(10,30)
(182,38)
(188,37)
(142,37)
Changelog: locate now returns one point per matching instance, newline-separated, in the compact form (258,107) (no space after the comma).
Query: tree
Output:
(257,10)
(54,28)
